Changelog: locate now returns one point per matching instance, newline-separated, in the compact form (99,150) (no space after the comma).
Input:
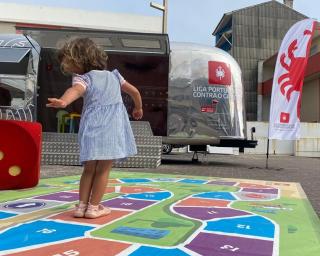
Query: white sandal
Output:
(80,210)
(96,211)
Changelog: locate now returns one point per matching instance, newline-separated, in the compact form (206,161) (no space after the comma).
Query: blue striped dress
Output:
(105,132)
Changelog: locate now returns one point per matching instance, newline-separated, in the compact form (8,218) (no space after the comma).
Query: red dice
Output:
(20,154)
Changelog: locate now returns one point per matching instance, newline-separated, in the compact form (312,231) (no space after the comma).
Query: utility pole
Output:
(164,9)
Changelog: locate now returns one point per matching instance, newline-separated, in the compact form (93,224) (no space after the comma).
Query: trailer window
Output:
(140,43)
(14,61)
(103,42)
(13,55)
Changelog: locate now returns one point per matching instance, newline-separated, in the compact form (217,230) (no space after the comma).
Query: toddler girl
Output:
(105,133)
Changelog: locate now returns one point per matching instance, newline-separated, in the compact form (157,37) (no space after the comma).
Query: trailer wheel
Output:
(166,148)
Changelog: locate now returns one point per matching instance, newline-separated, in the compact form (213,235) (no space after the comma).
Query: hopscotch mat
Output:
(163,215)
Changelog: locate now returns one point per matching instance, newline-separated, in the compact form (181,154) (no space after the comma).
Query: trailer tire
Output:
(166,148)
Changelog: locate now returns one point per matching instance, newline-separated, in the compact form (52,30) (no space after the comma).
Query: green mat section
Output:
(158,214)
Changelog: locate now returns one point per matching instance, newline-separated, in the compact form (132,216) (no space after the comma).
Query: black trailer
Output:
(192,95)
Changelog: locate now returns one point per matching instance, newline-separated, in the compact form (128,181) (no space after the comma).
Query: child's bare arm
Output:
(70,95)
(135,95)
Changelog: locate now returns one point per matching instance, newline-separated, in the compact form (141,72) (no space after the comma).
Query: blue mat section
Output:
(135,180)
(39,232)
(150,196)
(252,226)
(148,251)
(216,195)
(193,181)
(5,215)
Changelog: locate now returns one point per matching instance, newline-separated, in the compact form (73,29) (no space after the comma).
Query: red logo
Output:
(284,117)
(210,108)
(219,73)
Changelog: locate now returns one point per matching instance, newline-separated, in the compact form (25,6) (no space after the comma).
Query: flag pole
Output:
(268,143)
(267,161)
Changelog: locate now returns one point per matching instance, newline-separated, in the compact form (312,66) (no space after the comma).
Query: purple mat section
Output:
(61,196)
(261,190)
(222,183)
(207,244)
(205,213)
(124,203)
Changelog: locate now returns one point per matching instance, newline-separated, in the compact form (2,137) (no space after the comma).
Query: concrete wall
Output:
(268,71)
(266,107)
(308,145)
(310,106)
(7,28)
(315,46)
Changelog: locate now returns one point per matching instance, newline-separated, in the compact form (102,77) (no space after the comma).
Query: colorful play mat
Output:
(163,215)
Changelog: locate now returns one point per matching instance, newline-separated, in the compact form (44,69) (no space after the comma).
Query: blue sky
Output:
(188,21)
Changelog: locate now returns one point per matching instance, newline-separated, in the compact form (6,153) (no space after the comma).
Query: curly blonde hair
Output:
(82,54)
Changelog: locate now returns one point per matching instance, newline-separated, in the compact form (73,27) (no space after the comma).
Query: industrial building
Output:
(253,34)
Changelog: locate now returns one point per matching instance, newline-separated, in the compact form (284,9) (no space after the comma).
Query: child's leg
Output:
(86,181)
(100,181)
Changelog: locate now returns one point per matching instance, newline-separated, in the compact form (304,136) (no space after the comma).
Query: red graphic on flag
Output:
(284,117)
(219,73)
(293,79)
(288,78)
